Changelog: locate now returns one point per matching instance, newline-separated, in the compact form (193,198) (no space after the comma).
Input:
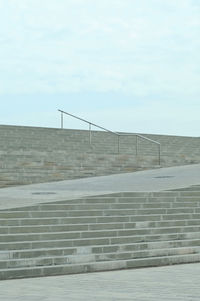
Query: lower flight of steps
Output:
(108,232)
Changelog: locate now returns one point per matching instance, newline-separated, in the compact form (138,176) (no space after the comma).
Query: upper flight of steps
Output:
(118,231)
(34,155)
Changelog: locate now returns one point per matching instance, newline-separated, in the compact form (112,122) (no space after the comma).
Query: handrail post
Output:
(61,120)
(136,145)
(159,160)
(118,144)
(90,133)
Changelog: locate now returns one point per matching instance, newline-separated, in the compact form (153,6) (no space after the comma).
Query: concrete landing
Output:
(174,283)
(151,180)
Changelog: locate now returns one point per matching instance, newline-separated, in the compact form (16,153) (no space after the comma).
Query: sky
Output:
(127,65)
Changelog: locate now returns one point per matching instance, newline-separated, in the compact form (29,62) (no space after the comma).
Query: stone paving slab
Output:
(150,180)
(174,283)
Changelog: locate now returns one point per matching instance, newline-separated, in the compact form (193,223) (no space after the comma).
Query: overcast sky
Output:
(129,65)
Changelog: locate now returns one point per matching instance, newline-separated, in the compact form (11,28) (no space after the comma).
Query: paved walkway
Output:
(171,283)
(150,180)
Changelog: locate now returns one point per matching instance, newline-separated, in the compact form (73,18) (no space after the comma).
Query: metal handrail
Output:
(148,139)
(90,125)
(115,133)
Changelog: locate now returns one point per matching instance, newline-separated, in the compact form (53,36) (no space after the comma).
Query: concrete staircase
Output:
(35,155)
(108,232)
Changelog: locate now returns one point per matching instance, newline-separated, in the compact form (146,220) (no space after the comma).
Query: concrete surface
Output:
(180,282)
(150,180)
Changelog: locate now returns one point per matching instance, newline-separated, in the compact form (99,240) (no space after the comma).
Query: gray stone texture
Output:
(35,155)
(101,233)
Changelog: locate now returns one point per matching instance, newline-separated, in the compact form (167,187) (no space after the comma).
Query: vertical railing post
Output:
(90,133)
(136,145)
(118,144)
(61,120)
(159,160)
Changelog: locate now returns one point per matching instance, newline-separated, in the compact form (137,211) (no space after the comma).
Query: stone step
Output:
(173,193)
(98,212)
(96,266)
(84,258)
(63,232)
(97,219)
(28,225)
(101,249)
(144,199)
(106,206)
(110,205)
(78,242)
